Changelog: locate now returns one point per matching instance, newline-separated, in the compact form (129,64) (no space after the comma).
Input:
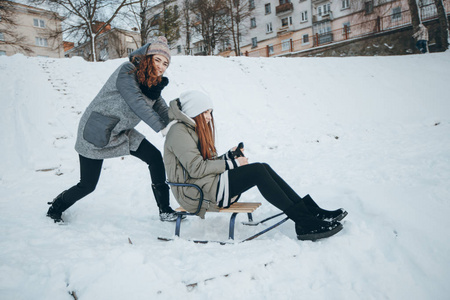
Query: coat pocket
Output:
(97,130)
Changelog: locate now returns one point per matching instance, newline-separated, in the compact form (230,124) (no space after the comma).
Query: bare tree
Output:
(211,21)
(414,11)
(186,25)
(7,25)
(369,15)
(443,24)
(86,19)
(117,41)
(238,11)
(139,15)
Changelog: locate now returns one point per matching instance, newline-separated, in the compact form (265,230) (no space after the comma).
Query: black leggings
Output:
(90,170)
(273,188)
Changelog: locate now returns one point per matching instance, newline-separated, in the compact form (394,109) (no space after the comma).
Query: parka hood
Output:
(176,114)
(138,53)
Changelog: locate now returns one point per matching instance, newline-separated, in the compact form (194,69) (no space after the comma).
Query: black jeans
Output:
(90,170)
(272,187)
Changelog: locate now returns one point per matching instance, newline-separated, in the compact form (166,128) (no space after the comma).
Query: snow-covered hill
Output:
(370,134)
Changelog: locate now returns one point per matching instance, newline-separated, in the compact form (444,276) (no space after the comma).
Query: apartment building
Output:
(33,33)
(111,43)
(282,26)
(279,27)
(275,24)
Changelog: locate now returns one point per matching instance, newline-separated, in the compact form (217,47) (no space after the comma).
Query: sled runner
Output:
(234,209)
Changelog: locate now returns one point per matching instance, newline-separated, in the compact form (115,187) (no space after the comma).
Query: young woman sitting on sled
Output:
(190,156)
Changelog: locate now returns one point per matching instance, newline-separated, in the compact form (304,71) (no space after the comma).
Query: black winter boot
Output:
(161,192)
(309,227)
(322,214)
(56,209)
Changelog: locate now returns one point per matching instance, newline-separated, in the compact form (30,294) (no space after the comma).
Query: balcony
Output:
(323,38)
(284,9)
(323,18)
(285,29)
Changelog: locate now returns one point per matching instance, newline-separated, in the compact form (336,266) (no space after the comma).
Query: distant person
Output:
(107,127)
(190,156)
(421,37)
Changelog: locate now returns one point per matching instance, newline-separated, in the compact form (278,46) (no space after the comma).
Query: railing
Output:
(429,11)
(371,27)
(284,8)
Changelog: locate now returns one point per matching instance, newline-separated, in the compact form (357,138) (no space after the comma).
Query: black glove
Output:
(238,152)
(154,92)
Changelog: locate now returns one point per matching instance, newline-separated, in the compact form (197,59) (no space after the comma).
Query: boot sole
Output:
(317,236)
(56,219)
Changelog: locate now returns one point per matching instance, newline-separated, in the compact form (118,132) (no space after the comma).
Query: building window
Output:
(39,23)
(268,8)
(345,28)
(397,13)
(198,48)
(2,36)
(345,4)
(254,42)
(304,16)
(178,49)
(284,1)
(305,39)
(285,45)
(253,22)
(270,47)
(104,55)
(41,42)
(286,21)
(251,4)
(324,10)
(368,7)
(2,52)
(269,27)
(130,50)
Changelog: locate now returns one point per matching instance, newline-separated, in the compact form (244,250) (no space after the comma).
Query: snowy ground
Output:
(370,134)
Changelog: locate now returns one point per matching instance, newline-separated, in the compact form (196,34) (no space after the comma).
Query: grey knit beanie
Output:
(194,103)
(159,46)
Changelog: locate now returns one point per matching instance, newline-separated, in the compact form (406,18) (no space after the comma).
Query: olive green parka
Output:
(185,164)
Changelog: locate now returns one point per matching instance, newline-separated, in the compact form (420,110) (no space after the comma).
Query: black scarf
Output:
(154,92)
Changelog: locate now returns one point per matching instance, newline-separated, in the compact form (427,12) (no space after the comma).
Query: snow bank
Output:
(370,134)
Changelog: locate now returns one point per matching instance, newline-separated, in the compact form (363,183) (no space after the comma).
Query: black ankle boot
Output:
(322,214)
(307,226)
(56,209)
(312,231)
(161,193)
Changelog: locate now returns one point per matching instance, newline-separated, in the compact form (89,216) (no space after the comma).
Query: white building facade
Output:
(278,27)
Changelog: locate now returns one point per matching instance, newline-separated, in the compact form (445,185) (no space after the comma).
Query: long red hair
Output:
(146,72)
(206,136)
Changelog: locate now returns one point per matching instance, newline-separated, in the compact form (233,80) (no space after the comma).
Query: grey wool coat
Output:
(185,164)
(106,128)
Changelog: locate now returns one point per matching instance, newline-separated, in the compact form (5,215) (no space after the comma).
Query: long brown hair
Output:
(206,136)
(146,72)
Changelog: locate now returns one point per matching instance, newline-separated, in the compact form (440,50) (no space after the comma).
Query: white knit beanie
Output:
(194,103)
